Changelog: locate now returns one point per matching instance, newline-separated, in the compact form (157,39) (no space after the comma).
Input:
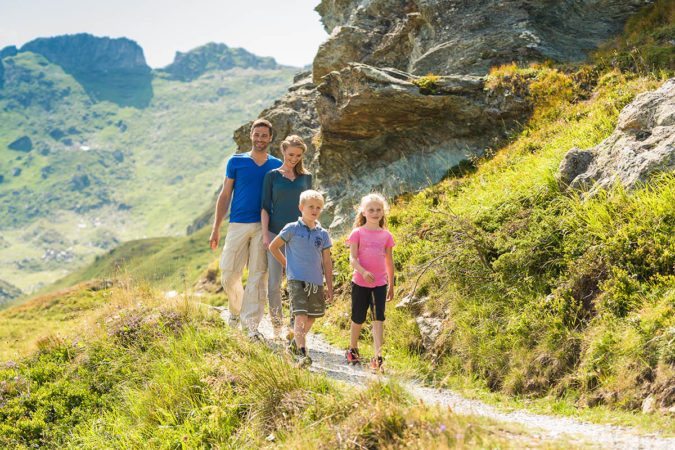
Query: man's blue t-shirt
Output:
(247,191)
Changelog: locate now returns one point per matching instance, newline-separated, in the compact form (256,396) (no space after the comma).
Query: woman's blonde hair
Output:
(295,141)
(372,197)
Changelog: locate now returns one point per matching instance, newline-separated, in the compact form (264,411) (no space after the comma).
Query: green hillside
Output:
(87,175)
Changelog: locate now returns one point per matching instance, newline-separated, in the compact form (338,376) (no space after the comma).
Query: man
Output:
(244,244)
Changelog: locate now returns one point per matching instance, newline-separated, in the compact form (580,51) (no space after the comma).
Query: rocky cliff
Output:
(396,96)
(190,65)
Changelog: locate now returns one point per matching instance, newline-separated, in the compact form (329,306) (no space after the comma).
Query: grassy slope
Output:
(185,122)
(170,376)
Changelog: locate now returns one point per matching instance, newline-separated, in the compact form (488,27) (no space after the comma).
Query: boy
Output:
(307,260)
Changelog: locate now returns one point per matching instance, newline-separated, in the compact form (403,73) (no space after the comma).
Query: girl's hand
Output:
(369,277)
(390,293)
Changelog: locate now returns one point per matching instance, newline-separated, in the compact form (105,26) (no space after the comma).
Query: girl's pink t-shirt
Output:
(372,250)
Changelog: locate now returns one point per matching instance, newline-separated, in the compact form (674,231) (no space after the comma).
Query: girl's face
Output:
(373,211)
(292,156)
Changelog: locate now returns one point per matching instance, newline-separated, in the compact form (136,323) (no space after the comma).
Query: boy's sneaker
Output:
(353,356)
(293,348)
(376,364)
(304,361)
(234,322)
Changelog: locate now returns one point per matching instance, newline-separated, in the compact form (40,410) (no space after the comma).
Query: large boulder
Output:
(23,144)
(642,144)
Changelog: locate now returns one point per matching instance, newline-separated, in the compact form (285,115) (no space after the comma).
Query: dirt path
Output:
(330,361)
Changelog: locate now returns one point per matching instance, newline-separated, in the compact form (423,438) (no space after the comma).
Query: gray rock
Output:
(430,328)
(16,172)
(2,178)
(642,144)
(79,182)
(118,156)
(23,144)
(649,405)
(411,302)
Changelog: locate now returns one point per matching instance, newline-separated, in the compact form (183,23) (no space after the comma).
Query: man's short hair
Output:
(262,123)
(311,194)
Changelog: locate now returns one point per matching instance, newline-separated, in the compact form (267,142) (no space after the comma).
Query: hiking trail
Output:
(330,361)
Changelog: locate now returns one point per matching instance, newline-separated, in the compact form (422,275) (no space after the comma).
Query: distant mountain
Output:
(91,159)
(193,64)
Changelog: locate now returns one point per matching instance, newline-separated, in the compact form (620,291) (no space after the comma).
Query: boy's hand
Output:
(328,294)
(390,293)
(369,277)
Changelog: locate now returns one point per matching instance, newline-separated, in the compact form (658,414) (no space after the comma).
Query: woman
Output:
(281,195)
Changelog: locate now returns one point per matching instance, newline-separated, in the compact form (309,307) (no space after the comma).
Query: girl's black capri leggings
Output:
(364,298)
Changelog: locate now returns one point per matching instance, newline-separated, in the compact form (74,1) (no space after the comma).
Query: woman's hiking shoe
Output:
(353,356)
(376,364)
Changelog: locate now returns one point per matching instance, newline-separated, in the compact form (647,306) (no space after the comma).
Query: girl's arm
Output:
(354,261)
(275,249)
(389,261)
(328,273)
(265,220)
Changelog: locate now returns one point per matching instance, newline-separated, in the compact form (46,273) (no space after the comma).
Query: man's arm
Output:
(222,205)
(328,273)
(275,249)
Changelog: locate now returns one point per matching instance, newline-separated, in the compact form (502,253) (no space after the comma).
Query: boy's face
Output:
(311,209)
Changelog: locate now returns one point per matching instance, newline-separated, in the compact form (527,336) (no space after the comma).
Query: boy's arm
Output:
(389,261)
(275,249)
(354,261)
(328,273)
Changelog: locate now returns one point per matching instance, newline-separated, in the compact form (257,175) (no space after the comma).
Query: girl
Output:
(373,279)
(280,199)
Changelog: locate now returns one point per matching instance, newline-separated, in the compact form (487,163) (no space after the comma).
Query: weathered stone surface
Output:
(452,36)
(430,329)
(23,144)
(642,144)
(8,292)
(376,126)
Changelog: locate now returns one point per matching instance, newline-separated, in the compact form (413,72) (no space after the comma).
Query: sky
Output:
(288,30)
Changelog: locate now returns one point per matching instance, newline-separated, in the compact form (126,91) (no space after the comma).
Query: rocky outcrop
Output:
(84,52)
(457,37)
(8,292)
(193,64)
(396,96)
(642,144)
(23,144)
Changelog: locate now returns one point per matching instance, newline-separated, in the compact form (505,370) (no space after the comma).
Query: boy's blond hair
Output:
(311,194)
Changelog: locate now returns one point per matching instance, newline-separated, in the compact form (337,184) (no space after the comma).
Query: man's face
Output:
(311,209)
(261,138)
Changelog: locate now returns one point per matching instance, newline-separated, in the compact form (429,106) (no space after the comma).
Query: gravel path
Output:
(331,362)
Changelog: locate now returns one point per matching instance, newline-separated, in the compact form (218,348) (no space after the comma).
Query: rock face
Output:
(642,144)
(458,37)
(190,65)
(396,96)
(8,292)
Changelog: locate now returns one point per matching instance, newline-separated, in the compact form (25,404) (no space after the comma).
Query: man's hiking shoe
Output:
(256,336)
(304,362)
(376,364)
(353,356)
(234,322)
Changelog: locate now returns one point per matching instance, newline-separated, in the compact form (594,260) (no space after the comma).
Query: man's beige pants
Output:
(244,246)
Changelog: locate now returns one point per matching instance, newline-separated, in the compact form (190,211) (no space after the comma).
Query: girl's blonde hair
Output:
(295,141)
(373,197)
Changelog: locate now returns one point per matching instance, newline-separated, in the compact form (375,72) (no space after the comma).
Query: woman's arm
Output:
(389,261)
(266,208)
(265,220)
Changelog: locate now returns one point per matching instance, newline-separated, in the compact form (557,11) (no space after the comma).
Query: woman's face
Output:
(293,155)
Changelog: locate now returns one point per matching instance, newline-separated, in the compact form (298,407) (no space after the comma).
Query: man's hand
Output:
(214,239)
(328,294)
(369,277)
(390,293)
